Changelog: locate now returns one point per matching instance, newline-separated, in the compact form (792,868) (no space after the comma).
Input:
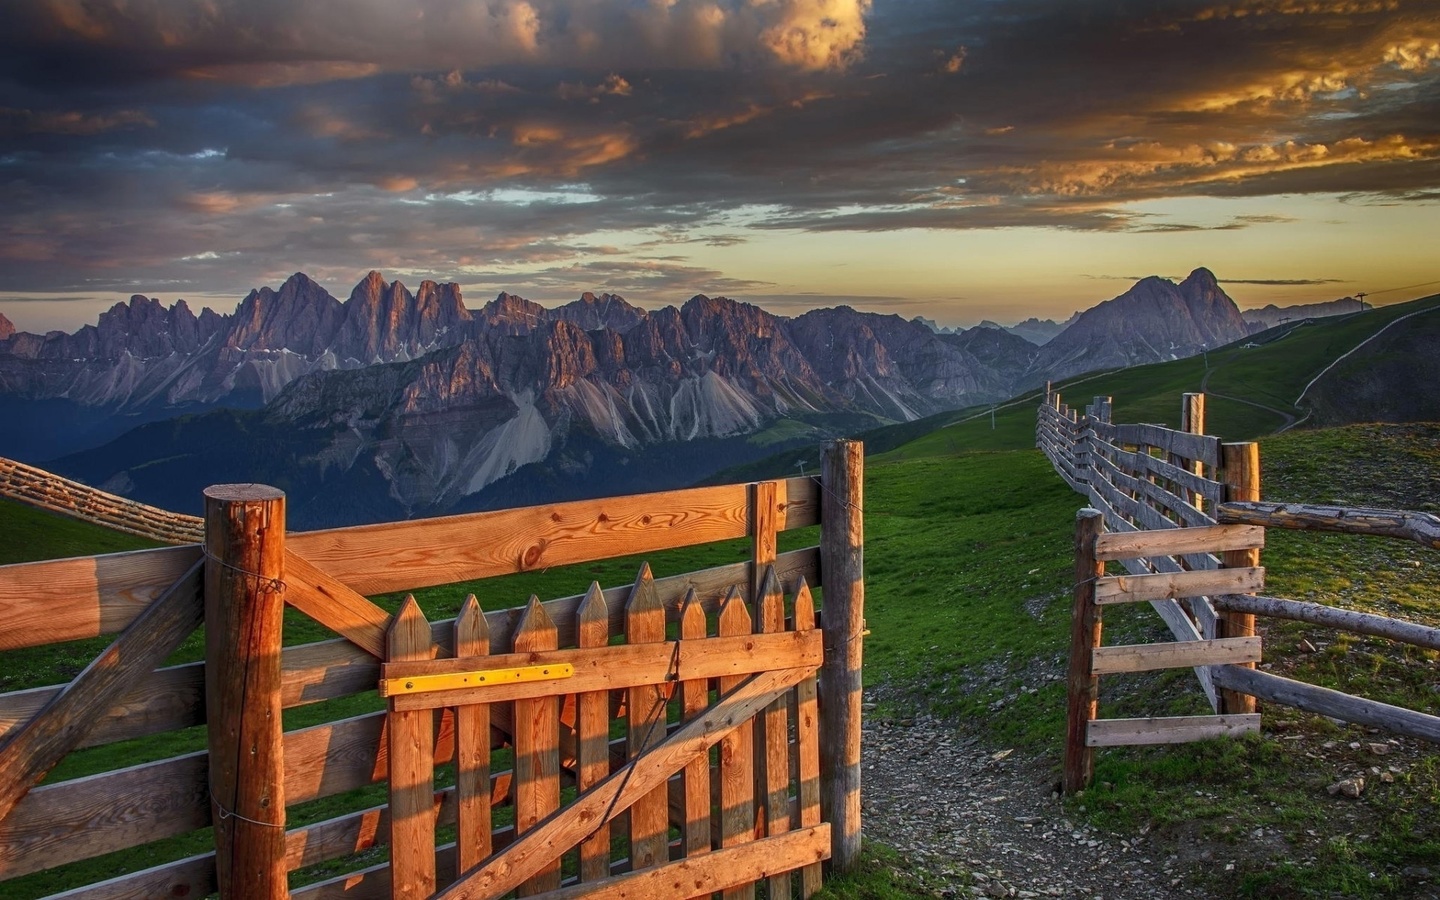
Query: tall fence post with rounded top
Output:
(1083,688)
(842,544)
(244,604)
(1241,475)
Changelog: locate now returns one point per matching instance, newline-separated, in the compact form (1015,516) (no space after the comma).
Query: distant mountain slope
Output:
(1394,377)
(1272,315)
(1154,321)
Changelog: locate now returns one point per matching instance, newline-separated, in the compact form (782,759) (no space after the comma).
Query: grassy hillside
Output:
(968,565)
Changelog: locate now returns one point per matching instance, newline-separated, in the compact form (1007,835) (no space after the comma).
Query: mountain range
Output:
(393,403)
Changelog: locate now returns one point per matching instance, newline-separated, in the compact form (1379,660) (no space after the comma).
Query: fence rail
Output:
(327,575)
(1184,517)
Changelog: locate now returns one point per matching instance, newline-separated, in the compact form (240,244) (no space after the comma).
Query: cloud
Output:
(1284,282)
(70,122)
(217,144)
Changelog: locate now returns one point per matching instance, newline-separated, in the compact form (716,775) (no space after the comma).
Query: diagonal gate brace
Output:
(534,850)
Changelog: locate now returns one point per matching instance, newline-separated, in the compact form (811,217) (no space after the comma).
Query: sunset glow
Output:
(955,160)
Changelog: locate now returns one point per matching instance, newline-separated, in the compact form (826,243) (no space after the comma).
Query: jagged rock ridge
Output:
(1154,321)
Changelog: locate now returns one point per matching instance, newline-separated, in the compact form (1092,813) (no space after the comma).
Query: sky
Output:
(956,159)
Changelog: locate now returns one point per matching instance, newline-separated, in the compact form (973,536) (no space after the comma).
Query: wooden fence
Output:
(699,667)
(46,490)
(1181,512)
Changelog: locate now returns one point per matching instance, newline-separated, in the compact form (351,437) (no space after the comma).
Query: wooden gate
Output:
(696,667)
(751,813)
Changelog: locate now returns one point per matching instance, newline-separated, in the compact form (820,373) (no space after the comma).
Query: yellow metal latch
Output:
(420,684)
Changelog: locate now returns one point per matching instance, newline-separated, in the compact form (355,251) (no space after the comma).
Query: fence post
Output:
(244,602)
(842,545)
(1242,482)
(1083,685)
(1192,421)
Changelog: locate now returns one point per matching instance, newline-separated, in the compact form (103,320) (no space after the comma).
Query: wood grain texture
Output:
(163,700)
(1176,655)
(842,557)
(36,487)
(807,743)
(764,531)
(1326,702)
(69,599)
(472,744)
(1170,585)
(324,598)
(700,877)
(1344,619)
(645,722)
(420,553)
(736,771)
(537,750)
(1242,482)
(592,721)
(1168,730)
(412,768)
(772,739)
(536,849)
(614,668)
(1086,631)
(1422,528)
(1177,541)
(244,610)
(695,699)
(60,726)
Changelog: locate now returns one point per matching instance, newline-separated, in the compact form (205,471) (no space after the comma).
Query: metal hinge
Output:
(420,684)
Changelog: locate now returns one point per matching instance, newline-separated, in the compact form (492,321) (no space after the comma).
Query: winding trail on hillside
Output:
(1290,419)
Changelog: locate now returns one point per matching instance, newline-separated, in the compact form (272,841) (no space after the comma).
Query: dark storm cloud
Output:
(210,146)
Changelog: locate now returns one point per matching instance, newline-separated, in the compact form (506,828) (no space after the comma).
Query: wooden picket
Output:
(766,673)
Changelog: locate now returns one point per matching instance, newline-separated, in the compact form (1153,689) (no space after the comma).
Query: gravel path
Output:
(981,822)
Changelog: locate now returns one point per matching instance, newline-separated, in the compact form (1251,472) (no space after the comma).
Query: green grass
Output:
(969,558)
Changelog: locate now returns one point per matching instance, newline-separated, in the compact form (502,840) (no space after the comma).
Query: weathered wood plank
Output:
(1326,702)
(69,599)
(412,769)
(537,751)
(592,721)
(163,700)
(420,553)
(1177,655)
(1177,541)
(807,743)
(1344,619)
(84,817)
(472,745)
(1086,630)
(1139,588)
(614,668)
(34,749)
(1194,447)
(645,723)
(1423,528)
(106,808)
(1242,482)
(718,871)
(534,850)
(842,551)
(736,771)
(694,699)
(772,739)
(1169,730)
(327,600)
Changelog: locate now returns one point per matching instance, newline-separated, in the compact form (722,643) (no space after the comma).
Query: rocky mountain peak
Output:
(512,314)
(605,311)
